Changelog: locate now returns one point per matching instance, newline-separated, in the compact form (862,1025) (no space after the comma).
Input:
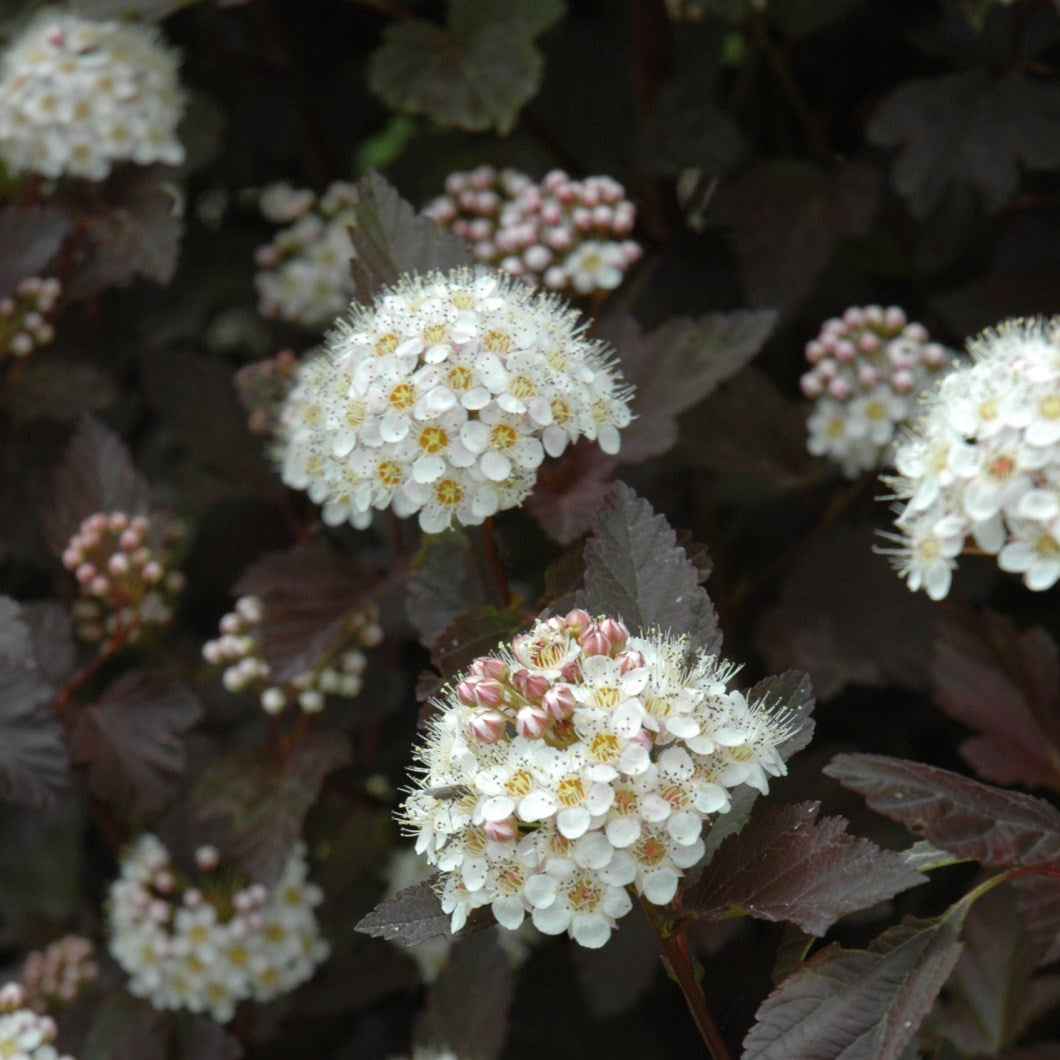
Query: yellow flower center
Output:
(497,342)
(519,783)
(522,386)
(401,397)
(503,436)
(433,439)
(459,377)
(386,344)
(433,333)
(448,492)
(389,473)
(570,791)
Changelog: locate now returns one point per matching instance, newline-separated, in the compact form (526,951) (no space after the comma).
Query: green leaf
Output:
(859,1004)
(132,739)
(786,865)
(475,73)
(966,128)
(391,239)
(636,571)
(262,799)
(964,817)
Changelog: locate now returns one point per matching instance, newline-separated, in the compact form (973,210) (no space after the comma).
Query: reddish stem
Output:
(80,679)
(494,560)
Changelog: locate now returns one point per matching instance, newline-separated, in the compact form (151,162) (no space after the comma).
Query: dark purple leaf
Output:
(34,768)
(876,634)
(964,817)
(563,578)
(391,239)
(52,632)
(635,570)
(413,915)
(195,397)
(29,238)
(859,1004)
(262,799)
(786,217)
(127,1028)
(96,475)
(132,739)
(443,584)
(675,366)
(1039,899)
(466,1012)
(135,230)
(972,127)
(308,595)
(58,390)
(569,492)
(476,73)
(634,949)
(792,693)
(786,865)
(992,996)
(1006,685)
(474,634)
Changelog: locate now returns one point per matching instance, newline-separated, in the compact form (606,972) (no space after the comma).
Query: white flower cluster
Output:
(304,272)
(984,462)
(25,1034)
(24,324)
(443,397)
(77,96)
(577,763)
(569,235)
(338,673)
(206,948)
(868,367)
(121,564)
(58,974)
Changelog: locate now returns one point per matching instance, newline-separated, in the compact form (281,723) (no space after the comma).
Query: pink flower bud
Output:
(854,317)
(207,858)
(531,722)
(118,563)
(531,686)
(894,318)
(487,726)
(616,632)
(85,573)
(811,385)
(846,352)
(867,375)
(839,388)
(629,660)
(902,381)
(501,831)
(559,702)
(572,673)
(577,620)
(12,996)
(594,642)
(868,342)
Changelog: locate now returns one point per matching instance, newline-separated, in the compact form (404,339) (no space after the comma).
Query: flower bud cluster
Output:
(58,974)
(121,563)
(262,387)
(304,275)
(205,944)
(78,96)
(568,235)
(868,367)
(983,462)
(25,1034)
(576,763)
(24,323)
(443,397)
(337,673)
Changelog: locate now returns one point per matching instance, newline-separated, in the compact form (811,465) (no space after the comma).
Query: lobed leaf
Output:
(308,594)
(390,238)
(475,73)
(474,634)
(262,799)
(1039,902)
(442,585)
(972,127)
(132,739)
(413,915)
(965,817)
(786,865)
(859,1004)
(677,365)
(96,475)
(34,767)
(466,1011)
(30,237)
(1006,685)
(570,491)
(786,217)
(634,569)
(792,693)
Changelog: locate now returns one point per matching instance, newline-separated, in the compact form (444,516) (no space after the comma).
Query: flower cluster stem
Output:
(675,955)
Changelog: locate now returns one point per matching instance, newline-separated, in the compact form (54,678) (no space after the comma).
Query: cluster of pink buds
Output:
(121,563)
(58,974)
(24,323)
(338,672)
(867,369)
(262,387)
(24,1033)
(568,235)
